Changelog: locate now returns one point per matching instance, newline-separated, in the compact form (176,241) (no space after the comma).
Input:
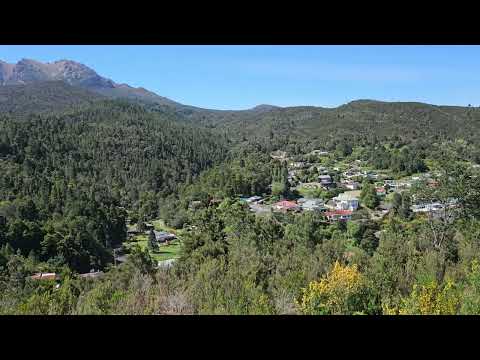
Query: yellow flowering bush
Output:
(431,299)
(339,292)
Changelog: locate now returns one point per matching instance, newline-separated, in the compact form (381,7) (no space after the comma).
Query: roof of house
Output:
(351,182)
(348,195)
(338,212)
(286,204)
(313,201)
(162,234)
(313,204)
(44,276)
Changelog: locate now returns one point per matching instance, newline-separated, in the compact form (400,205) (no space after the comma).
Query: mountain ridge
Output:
(28,71)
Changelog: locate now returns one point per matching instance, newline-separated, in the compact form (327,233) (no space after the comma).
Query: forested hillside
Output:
(77,171)
(359,123)
(44,97)
(67,179)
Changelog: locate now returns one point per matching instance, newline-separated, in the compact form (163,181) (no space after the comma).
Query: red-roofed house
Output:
(338,215)
(381,191)
(285,205)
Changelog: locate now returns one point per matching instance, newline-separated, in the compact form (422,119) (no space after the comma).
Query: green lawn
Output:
(311,193)
(165,252)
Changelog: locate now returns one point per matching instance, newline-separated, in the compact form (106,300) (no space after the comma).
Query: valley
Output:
(116,200)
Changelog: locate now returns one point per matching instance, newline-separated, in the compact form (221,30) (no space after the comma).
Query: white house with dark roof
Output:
(347,200)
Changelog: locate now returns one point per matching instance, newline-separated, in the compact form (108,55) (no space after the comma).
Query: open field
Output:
(165,252)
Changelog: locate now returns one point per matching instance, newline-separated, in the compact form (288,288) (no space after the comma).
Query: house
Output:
(431,207)
(390,183)
(325,180)
(319,153)
(45,276)
(253,199)
(313,205)
(162,236)
(337,215)
(285,206)
(380,191)
(347,200)
(352,185)
(352,173)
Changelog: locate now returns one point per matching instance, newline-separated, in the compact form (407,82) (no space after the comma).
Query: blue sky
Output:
(240,77)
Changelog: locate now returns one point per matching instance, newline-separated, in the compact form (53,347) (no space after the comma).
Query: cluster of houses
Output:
(343,206)
(357,173)
(433,207)
(340,207)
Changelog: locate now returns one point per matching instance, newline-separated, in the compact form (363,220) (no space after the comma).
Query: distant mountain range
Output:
(27,76)
(26,72)
(31,86)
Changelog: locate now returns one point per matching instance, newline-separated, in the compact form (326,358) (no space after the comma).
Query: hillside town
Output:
(335,191)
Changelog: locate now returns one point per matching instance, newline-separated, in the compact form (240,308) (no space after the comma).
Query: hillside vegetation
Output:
(76,168)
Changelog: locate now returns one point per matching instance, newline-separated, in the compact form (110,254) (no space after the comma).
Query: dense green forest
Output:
(71,179)
(44,97)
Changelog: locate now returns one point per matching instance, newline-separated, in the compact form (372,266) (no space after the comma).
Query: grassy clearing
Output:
(165,252)
(312,193)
